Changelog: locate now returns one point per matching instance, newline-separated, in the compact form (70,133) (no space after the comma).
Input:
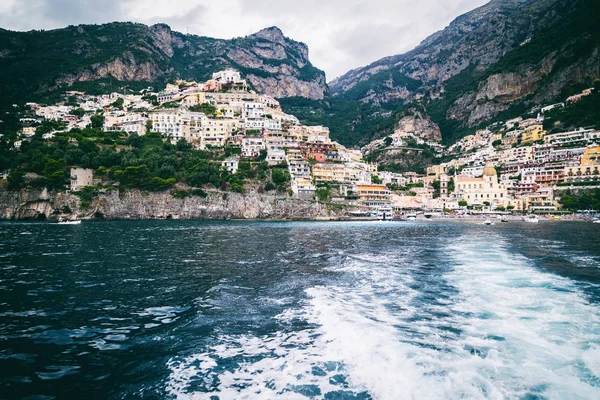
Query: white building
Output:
(81,177)
(253,110)
(262,123)
(579,136)
(275,151)
(252,146)
(130,123)
(231,164)
(227,76)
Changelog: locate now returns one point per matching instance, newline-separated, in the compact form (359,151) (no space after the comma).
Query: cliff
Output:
(98,58)
(496,61)
(30,204)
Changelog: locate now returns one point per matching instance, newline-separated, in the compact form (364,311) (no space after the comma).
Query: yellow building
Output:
(591,156)
(533,133)
(373,195)
(436,170)
(481,190)
(194,98)
(329,172)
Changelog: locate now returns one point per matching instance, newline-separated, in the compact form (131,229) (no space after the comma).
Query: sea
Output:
(300,310)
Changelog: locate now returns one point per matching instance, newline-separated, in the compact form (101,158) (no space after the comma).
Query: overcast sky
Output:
(341,34)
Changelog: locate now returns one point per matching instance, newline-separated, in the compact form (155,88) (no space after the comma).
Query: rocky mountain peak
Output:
(272,34)
(143,55)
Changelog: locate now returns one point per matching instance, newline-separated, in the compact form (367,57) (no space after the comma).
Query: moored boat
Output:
(385,213)
(69,221)
(532,219)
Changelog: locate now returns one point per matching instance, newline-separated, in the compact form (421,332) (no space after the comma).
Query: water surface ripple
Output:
(256,310)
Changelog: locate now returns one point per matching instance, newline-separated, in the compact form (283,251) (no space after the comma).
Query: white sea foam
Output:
(498,329)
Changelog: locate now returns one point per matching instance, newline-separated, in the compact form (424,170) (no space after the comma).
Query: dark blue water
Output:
(231,310)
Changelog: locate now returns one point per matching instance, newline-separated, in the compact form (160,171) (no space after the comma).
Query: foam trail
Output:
(489,326)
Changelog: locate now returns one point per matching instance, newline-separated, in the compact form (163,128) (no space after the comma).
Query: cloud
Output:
(341,34)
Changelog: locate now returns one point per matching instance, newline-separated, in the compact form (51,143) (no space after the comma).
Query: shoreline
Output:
(473,220)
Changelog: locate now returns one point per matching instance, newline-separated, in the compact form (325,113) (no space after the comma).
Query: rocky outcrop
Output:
(538,84)
(420,125)
(283,85)
(41,205)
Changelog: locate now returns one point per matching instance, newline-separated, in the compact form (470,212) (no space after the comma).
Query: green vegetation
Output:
(323,194)
(584,113)
(351,122)
(170,104)
(97,121)
(130,162)
(581,200)
(205,108)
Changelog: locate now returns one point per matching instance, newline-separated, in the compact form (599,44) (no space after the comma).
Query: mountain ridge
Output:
(498,60)
(42,62)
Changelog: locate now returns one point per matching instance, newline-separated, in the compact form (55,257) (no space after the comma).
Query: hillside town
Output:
(510,165)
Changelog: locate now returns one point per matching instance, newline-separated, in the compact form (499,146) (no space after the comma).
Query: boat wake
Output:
(487,326)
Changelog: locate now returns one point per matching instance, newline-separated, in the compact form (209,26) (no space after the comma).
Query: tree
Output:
(510,207)
(54,170)
(97,121)
(388,141)
(16,179)
(376,180)
(280,176)
(118,103)
(78,112)
(463,203)
(323,194)
(205,108)
(500,208)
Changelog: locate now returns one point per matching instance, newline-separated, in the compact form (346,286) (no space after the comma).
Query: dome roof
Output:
(489,170)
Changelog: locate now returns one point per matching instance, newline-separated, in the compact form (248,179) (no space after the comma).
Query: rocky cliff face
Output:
(419,124)
(542,83)
(505,53)
(37,62)
(41,204)
(480,37)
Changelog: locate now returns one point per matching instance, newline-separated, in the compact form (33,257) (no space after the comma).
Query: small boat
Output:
(69,221)
(411,217)
(596,221)
(532,219)
(488,222)
(385,213)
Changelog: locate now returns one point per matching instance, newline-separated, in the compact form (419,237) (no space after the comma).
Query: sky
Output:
(341,34)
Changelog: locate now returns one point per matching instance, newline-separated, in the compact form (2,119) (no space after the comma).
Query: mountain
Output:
(103,57)
(498,60)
